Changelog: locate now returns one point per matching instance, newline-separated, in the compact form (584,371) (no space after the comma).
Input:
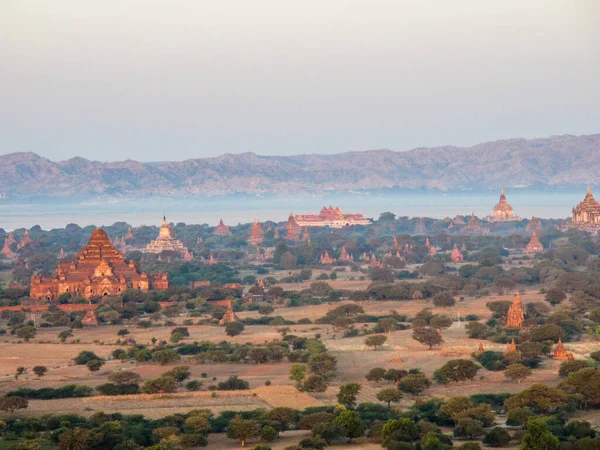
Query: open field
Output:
(354,361)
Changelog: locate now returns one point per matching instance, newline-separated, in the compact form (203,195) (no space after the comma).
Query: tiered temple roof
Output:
(326,259)
(330,217)
(99,269)
(9,242)
(515,317)
(26,239)
(229,315)
(165,241)
(293,229)
(533,225)
(344,255)
(256,234)
(587,212)
(456,256)
(222,229)
(512,347)
(534,246)
(474,228)
(89,319)
(560,352)
(503,212)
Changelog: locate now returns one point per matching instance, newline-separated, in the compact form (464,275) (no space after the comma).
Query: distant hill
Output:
(556,161)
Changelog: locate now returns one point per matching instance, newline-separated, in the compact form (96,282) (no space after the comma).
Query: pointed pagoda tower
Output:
(26,240)
(222,229)
(8,244)
(256,234)
(515,316)
(534,246)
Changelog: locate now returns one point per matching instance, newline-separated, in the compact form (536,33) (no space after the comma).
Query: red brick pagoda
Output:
(99,269)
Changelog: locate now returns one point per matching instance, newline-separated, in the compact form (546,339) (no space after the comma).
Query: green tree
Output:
(124,377)
(198,422)
(427,336)
(459,370)
(387,324)
(496,437)
(74,439)
(297,373)
(538,437)
(268,433)
(539,397)
(40,371)
(159,385)
(243,430)
(164,357)
(265,309)
(329,431)
(123,332)
(323,364)
(376,374)
(470,428)
(347,394)
(585,382)
(281,418)
(11,404)
(314,384)
(354,425)
(20,371)
(443,300)
(234,328)
(517,372)
(572,366)
(84,357)
(555,296)
(389,395)
(440,322)
(518,416)
(399,430)
(26,333)
(414,383)
(64,335)
(179,374)
(375,340)
(95,365)
(346,310)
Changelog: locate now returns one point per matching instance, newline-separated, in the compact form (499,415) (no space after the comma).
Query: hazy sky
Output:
(174,79)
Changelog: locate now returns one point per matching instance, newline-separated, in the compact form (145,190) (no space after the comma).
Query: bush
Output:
(193,385)
(496,437)
(268,433)
(118,389)
(233,383)
(85,357)
(67,391)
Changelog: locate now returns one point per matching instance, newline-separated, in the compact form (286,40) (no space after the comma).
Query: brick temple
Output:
(99,270)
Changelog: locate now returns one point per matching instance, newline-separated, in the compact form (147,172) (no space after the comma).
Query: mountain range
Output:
(556,161)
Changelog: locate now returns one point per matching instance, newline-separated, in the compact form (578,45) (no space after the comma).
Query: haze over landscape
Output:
(169,81)
(282,225)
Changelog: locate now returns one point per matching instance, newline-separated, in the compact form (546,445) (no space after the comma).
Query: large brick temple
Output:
(99,270)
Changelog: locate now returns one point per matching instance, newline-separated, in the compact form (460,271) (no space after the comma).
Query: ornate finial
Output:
(164,220)
(589,190)
(502,190)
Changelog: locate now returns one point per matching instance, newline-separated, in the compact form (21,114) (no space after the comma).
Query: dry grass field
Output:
(354,361)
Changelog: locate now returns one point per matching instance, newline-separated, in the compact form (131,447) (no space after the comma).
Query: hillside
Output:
(556,161)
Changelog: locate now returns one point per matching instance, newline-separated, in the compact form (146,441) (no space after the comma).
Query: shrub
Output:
(233,383)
